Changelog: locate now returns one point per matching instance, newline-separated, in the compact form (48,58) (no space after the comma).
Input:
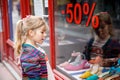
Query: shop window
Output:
(14,15)
(71,37)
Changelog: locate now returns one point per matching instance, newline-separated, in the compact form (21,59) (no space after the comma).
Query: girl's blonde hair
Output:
(23,26)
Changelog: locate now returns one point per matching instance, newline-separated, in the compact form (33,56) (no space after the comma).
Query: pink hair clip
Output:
(27,17)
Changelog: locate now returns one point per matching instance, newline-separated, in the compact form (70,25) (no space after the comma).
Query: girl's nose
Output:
(45,34)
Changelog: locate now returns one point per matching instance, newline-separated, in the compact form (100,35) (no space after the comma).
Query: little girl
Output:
(30,33)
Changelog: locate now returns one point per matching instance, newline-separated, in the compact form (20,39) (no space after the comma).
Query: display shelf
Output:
(74,75)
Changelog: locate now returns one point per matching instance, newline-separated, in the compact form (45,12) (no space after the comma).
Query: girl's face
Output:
(103,32)
(39,35)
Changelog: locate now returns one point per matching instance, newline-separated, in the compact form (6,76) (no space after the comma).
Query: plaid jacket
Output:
(33,62)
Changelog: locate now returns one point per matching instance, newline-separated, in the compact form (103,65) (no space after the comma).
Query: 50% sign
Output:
(76,12)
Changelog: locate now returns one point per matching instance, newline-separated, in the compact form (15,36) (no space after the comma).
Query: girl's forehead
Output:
(43,28)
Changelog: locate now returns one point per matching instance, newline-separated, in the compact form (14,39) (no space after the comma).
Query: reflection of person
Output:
(30,33)
(103,43)
(18,7)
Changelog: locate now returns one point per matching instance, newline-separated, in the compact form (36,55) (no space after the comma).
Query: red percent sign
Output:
(76,14)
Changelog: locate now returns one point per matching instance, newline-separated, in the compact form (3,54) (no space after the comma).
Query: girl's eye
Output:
(42,32)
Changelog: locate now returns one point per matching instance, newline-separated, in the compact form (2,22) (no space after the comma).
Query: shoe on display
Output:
(75,53)
(114,70)
(86,75)
(92,61)
(72,59)
(80,66)
(93,77)
(100,71)
(105,70)
(117,67)
(105,75)
(118,62)
(100,79)
(75,57)
(111,74)
(77,60)
(113,77)
(64,64)
(95,68)
(97,59)
(118,70)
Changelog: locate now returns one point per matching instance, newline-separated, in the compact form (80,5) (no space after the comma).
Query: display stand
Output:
(74,75)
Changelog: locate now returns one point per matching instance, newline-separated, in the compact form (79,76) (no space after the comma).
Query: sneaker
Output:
(95,68)
(93,77)
(81,65)
(78,64)
(86,75)
(97,59)
(72,59)
(105,70)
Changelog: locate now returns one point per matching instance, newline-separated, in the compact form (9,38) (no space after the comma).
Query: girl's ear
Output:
(31,33)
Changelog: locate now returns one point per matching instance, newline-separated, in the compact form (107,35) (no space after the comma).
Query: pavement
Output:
(5,74)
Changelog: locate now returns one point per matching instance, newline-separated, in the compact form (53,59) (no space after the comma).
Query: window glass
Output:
(72,37)
(14,11)
(0,21)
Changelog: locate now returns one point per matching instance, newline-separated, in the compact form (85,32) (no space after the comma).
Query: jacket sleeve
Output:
(87,49)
